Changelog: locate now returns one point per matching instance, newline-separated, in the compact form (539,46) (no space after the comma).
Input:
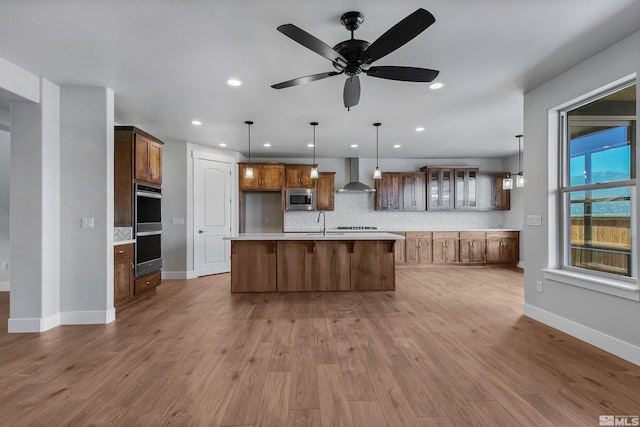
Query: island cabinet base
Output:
(312,265)
(253,266)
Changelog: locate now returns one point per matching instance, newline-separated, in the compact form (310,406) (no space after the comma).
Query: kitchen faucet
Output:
(324,223)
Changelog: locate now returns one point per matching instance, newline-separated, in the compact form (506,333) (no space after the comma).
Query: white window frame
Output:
(623,286)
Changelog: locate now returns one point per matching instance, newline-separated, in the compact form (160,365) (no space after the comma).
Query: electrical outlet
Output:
(539,287)
(87,222)
(4,266)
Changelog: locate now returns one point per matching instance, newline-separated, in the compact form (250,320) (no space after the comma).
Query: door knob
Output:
(201,231)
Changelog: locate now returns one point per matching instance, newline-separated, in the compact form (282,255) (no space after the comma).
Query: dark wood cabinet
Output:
(148,282)
(266,177)
(500,198)
(325,192)
(414,191)
(445,246)
(253,266)
(440,188)
(389,192)
(472,246)
(418,248)
(466,185)
(122,273)
(399,249)
(137,159)
(299,176)
(502,247)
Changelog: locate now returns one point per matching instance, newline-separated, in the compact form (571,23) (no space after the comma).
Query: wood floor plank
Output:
(334,405)
(449,347)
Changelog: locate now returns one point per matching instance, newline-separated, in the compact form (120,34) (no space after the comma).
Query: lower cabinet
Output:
(257,266)
(418,248)
(445,246)
(399,248)
(502,247)
(472,246)
(122,273)
(313,266)
(144,283)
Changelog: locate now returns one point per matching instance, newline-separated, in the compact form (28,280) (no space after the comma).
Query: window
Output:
(598,184)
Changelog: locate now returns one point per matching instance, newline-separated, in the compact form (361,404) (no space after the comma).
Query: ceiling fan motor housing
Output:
(351,50)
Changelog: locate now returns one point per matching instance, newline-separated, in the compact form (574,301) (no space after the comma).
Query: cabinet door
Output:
(439,251)
(433,189)
(461,188)
(271,177)
(389,192)
(414,192)
(500,198)
(304,174)
(122,273)
(411,250)
(425,254)
(446,189)
(155,163)
(399,249)
(292,180)
(509,251)
(326,191)
(249,183)
(493,251)
(141,158)
(471,250)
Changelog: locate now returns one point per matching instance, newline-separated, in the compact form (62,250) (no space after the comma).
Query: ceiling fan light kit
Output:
(352,57)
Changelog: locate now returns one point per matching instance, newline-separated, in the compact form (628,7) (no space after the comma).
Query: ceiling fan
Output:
(352,57)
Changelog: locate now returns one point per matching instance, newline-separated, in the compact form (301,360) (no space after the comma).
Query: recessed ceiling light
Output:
(196,122)
(234,82)
(420,129)
(436,85)
(397,146)
(267,144)
(222,144)
(354,145)
(310,145)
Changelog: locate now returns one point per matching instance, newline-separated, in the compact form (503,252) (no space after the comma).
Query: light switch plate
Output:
(87,222)
(4,266)
(534,220)
(177,221)
(539,286)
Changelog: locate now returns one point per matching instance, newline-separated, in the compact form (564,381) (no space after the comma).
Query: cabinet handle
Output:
(150,172)
(121,252)
(133,266)
(148,282)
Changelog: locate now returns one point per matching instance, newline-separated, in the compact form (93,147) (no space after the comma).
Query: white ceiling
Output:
(168,62)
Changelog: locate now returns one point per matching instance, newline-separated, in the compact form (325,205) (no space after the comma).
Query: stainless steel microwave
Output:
(300,200)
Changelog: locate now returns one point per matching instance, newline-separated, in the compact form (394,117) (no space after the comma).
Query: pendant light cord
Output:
(314,145)
(249,123)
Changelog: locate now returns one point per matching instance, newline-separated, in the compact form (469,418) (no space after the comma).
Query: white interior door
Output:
(212,216)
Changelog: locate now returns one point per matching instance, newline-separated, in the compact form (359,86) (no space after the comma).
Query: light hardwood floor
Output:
(448,348)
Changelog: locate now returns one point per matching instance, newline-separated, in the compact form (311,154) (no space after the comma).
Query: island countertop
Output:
(331,235)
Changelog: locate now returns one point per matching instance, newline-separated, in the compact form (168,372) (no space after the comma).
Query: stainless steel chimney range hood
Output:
(355,186)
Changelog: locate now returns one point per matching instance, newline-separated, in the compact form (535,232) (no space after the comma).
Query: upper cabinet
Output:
(299,176)
(414,191)
(326,191)
(137,158)
(389,191)
(148,159)
(440,188)
(500,198)
(266,177)
(466,188)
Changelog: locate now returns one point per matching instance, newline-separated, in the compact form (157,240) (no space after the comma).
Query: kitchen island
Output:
(294,262)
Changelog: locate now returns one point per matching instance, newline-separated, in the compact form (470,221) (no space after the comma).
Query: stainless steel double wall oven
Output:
(148,229)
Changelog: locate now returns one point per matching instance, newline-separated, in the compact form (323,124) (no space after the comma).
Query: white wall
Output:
(86,159)
(174,205)
(610,322)
(5,174)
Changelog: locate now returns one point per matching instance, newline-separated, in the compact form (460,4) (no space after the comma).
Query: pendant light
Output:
(520,177)
(314,169)
(507,183)
(377,174)
(248,173)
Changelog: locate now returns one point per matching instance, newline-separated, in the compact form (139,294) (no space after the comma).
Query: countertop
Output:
(124,242)
(331,235)
(335,230)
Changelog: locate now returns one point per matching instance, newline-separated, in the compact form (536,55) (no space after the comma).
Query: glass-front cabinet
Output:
(466,184)
(440,188)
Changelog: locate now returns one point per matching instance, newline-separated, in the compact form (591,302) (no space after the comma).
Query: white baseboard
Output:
(191,274)
(4,286)
(601,340)
(520,264)
(33,324)
(98,317)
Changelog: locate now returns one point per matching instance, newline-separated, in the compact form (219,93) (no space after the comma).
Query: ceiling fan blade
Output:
(398,35)
(311,42)
(306,79)
(405,74)
(351,93)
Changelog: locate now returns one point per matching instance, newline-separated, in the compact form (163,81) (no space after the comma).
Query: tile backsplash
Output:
(357,209)
(122,233)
